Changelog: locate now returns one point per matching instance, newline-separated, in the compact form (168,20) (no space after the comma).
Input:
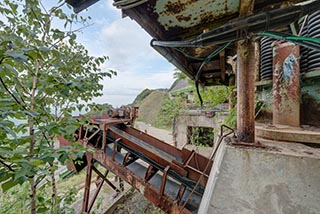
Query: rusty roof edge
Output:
(169,56)
(230,32)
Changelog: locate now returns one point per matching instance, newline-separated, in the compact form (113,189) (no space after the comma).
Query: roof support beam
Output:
(245,82)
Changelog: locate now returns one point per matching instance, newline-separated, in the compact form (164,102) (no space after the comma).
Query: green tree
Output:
(45,75)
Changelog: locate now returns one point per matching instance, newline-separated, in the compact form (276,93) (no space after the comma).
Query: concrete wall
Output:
(284,178)
(195,118)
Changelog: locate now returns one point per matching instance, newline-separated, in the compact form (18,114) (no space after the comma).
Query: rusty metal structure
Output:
(198,37)
(172,179)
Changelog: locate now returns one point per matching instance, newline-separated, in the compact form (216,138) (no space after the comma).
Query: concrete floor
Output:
(280,178)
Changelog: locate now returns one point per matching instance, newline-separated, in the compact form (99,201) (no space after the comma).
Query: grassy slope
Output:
(150,107)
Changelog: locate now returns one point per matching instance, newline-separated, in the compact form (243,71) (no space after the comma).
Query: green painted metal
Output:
(190,13)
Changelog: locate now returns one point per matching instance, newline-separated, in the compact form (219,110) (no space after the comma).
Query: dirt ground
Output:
(135,203)
(161,134)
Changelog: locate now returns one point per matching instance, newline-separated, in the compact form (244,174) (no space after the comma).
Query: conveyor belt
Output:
(170,178)
(171,188)
(143,144)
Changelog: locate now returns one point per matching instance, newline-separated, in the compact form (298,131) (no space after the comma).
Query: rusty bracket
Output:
(178,168)
(129,158)
(188,159)
(116,148)
(151,171)
(163,182)
(182,189)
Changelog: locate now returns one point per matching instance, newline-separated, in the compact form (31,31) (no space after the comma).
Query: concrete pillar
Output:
(246,61)
(286,84)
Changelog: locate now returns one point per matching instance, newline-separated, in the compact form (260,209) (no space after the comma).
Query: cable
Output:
(252,24)
(309,42)
(187,55)
(208,59)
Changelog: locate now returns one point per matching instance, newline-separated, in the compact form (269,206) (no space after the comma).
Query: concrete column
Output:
(286,84)
(246,61)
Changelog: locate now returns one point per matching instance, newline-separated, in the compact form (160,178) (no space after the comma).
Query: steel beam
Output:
(85,202)
(245,82)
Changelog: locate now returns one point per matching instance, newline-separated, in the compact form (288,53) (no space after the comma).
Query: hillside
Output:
(150,107)
(155,106)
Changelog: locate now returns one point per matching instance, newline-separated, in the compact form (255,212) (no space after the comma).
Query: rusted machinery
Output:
(172,179)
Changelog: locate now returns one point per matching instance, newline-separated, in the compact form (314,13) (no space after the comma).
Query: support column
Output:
(246,61)
(85,201)
(286,84)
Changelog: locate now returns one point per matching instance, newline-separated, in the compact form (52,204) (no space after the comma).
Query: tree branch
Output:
(6,165)
(23,87)
(11,94)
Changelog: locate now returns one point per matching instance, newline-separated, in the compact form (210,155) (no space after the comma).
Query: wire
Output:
(187,55)
(251,24)
(309,42)
(208,59)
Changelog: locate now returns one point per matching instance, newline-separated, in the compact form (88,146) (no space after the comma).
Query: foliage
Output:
(45,75)
(19,203)
(170,108)
(201,136)
(214,95)
(146,92)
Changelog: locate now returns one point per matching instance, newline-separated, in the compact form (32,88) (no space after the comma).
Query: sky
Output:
(127,45)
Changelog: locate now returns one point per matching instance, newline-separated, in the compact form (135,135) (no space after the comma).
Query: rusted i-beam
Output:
(245,91)
(245,82)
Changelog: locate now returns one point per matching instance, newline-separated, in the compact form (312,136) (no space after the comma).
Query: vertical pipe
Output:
(286,84)
(87,183)
(246,64)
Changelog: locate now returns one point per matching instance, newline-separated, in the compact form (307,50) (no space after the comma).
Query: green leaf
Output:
(8,184)
(35,162)
(19,56)
(4,176)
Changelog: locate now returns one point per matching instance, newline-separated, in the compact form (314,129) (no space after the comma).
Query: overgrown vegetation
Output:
(182,99)
(170,108)
(201,136)
(45,75)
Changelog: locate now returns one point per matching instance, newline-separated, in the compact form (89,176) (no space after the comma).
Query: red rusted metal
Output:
(97,192)
(185,168)
(246,59)
(286,84)
(85,202)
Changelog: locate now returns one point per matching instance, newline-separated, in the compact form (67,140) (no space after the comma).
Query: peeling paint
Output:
(189,13)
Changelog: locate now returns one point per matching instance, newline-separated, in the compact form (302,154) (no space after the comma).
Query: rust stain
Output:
(286,85)
(172,8)
(183,18)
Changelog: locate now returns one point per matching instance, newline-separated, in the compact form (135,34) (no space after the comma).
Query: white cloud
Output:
(127,45)
(123,88)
